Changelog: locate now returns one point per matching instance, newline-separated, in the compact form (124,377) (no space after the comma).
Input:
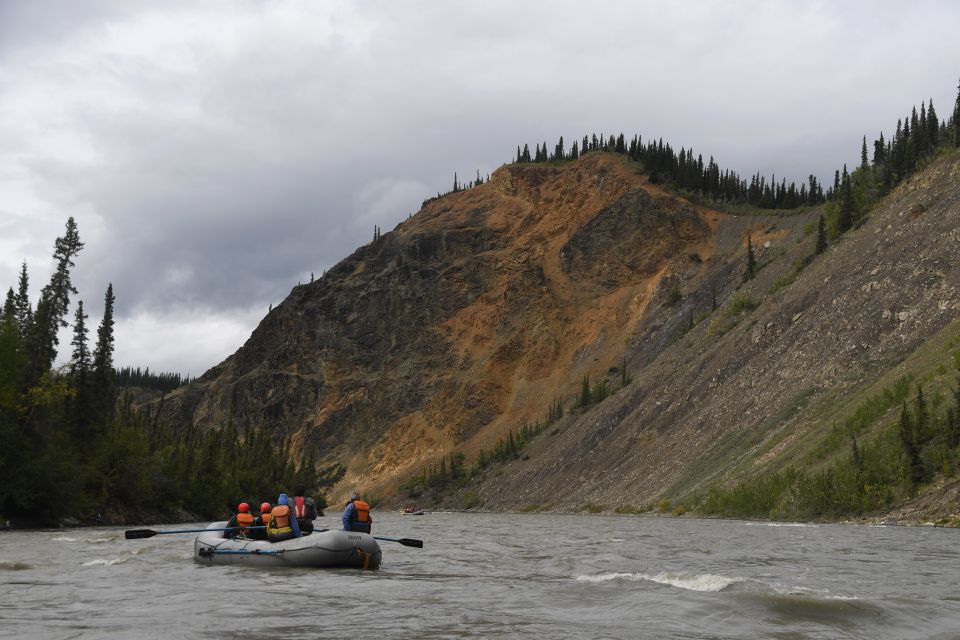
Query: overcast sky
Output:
(215,153)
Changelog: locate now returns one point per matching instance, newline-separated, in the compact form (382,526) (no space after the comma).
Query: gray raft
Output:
(318,549)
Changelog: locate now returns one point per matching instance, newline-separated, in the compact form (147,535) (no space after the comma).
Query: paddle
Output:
(208,553)
(407,542)
(135,534)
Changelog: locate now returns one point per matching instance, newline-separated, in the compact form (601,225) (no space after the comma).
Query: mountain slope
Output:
(489,304)
(883,302)
(472,315)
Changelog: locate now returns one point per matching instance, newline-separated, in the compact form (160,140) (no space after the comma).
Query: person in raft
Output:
(356,517)
(305,509)
(282,526)
(262,520)
(237,526)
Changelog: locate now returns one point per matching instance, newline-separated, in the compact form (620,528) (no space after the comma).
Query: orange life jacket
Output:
(362,511)
(279,521)
(245,520)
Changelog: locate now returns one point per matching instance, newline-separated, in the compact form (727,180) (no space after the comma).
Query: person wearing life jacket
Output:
(282,525)
(305,509)
(239,523)
(356,517)
(262,520)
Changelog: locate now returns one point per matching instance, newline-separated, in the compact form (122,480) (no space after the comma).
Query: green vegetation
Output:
(729,314)
(871,478)
(592,394)
(629,509)
(470,500)
(130,377)
(72,448)
(917,138)
(785,281)
(451,472)
(592,507)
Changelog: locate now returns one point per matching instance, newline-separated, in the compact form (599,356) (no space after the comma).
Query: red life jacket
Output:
(299,507)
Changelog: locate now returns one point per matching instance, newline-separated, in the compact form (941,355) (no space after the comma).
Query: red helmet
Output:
(265,507)
(243,508)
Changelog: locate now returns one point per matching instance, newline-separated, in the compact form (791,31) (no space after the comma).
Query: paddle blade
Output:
(135,534)
(411,542)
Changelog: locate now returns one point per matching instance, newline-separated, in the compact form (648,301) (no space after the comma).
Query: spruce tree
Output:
(879,149)
(908,441)
(52,306)
(863,154)
(103,372)
(79,414)
(751,269)
(80,361)
(10,306)
(24,313)
(821,236)
(956,119)
(933,127)
(845,221)
(584,398)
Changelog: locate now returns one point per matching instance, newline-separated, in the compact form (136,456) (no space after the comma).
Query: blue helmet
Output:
(282,499)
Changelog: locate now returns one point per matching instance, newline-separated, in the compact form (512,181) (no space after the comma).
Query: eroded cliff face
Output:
(474,314)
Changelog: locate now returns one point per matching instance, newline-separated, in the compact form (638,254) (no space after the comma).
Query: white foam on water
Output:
(103,562)
(708,582)
(787,590)
(63,539)
(782,524)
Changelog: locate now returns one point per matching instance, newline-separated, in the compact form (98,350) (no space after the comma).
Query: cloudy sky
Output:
(216,153)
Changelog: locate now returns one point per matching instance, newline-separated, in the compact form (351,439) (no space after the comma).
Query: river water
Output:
(501,576)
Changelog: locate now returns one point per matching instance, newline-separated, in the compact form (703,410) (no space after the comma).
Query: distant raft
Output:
(318,549)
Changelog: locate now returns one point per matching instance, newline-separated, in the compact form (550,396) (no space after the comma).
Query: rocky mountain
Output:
(491,305)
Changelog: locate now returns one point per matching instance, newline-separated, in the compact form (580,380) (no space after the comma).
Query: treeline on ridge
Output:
(916,138)
(130,377)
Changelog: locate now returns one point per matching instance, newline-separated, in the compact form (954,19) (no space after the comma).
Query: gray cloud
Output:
(214,156)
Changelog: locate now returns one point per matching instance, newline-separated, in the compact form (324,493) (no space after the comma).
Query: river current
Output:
(501,576)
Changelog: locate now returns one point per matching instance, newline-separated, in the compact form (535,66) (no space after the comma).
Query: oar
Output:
(207,553)
(407,542)
(134,534)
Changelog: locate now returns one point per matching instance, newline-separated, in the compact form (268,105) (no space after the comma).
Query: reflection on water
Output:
(485,575)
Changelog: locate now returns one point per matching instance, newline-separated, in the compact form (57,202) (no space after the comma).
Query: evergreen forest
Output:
(76,450)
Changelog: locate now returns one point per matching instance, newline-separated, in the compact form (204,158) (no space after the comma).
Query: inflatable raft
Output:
(318,549)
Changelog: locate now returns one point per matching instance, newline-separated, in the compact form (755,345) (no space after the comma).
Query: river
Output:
(501,576)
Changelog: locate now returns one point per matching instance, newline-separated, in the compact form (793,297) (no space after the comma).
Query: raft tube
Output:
(318,549)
